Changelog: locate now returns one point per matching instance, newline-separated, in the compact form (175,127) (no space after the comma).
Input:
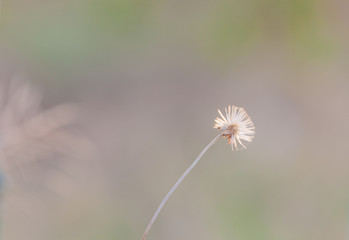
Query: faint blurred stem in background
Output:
(30,134)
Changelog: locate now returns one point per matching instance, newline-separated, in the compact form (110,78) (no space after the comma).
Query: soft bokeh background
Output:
(145,79)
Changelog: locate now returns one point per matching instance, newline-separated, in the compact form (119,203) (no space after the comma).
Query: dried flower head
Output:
(236,126)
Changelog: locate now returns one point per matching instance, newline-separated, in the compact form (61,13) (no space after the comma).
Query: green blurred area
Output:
(72,34)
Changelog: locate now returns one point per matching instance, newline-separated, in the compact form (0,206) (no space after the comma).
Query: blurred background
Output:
(104,104)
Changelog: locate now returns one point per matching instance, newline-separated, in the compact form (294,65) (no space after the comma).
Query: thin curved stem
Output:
(177,184)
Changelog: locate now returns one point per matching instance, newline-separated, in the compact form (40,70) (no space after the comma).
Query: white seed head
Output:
(236,125)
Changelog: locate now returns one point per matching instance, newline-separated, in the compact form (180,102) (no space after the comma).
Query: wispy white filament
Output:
(177,184)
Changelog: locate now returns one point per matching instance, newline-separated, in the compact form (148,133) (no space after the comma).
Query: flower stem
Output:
(177,184)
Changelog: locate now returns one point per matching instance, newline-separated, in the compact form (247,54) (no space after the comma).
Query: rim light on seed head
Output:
(236,126)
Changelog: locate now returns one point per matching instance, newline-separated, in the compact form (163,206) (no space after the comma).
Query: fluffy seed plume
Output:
(236,125)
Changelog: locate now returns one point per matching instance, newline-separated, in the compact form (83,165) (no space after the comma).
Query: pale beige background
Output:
(147,77)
